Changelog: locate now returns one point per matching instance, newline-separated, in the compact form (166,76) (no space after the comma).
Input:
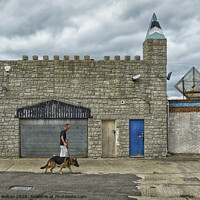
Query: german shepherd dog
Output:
(62,161)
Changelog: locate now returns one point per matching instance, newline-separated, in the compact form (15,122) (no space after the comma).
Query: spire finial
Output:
(154,31)
(154,18)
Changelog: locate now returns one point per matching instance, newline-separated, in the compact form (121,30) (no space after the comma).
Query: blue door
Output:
(136,145)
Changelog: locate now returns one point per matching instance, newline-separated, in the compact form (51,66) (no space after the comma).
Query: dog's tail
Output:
(43,167)
(46,164)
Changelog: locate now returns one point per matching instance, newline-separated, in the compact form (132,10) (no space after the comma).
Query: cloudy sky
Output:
(100,28)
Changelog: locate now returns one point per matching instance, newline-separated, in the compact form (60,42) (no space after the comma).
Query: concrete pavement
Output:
(167,178)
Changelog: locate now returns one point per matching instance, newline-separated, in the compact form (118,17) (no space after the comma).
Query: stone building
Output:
(116,107)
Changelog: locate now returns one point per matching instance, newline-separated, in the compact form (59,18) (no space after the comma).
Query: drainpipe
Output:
(168,128)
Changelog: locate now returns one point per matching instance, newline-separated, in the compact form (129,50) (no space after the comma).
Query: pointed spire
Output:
(155,30)
(154,18)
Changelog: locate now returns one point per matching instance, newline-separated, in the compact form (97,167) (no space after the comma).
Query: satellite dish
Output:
(169,76)
(134,78)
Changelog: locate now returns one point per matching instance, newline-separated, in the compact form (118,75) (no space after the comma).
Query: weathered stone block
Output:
(45,57)
(24,57)
(56,57)
(35,57)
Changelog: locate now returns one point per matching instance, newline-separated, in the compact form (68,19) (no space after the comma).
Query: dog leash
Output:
(68,154)
(68,151)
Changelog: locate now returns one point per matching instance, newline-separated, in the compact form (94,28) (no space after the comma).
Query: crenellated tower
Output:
(155,57)
(155,44)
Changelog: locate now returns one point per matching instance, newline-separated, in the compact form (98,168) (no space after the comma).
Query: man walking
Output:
(64,142)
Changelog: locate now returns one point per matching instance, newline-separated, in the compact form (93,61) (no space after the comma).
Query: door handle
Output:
(141,136)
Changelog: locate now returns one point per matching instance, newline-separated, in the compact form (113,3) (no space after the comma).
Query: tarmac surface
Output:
(175,177)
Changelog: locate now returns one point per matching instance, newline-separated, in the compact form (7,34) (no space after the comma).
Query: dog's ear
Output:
(75,159)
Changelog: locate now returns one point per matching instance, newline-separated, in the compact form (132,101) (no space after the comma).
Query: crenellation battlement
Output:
(117,58)
(77,58)
(35,57)
(66,57)
(24,57)
(56,57)
(45,57)
(127,58)
(106,58)
(137,58)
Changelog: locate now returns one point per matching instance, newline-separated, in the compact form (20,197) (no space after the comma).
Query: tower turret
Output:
(155,44)
(155,57)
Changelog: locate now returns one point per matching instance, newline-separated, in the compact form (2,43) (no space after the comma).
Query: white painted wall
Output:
(184,132)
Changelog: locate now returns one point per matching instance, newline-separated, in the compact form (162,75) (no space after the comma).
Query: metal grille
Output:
(20,188)
(53,110)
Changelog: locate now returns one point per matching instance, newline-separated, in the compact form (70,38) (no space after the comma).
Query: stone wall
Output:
(104,86)
(155,57)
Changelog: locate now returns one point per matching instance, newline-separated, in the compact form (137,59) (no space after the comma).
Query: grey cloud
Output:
(100,27)
(22,20)
(137,10)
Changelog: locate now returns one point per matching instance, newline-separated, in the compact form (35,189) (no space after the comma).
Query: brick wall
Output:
(184,132)
(184,127)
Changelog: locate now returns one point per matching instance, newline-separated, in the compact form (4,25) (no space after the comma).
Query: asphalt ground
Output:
(67,186)
(175,177)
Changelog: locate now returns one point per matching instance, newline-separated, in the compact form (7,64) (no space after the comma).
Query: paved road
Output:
(67,186)
(174,178)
